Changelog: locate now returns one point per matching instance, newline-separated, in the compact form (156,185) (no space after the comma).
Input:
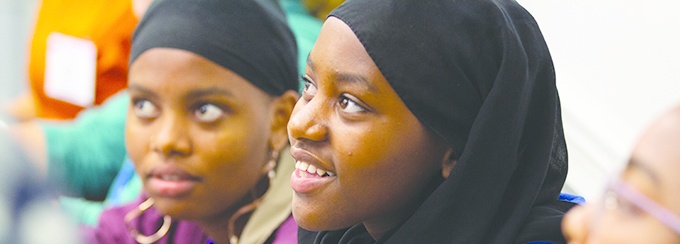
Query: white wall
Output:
(618,67)
(16,19)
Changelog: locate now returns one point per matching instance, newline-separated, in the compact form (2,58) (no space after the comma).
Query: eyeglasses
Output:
(618,191)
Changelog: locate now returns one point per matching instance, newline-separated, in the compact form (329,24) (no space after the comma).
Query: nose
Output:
(576,224)
(308,122)
(172,137)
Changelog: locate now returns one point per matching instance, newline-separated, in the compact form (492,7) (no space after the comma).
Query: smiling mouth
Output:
(311,169)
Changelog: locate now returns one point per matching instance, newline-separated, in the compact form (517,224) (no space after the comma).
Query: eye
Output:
(615,202)
(310,88)
(208,112)
(145,109)
(349,106)
(628,208)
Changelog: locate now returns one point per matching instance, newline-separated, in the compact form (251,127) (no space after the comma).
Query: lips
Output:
(309,173)
(171,182)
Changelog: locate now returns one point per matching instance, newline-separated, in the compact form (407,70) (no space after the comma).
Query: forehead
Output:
(178,71)
(658,152)
(173,63)
(338,49)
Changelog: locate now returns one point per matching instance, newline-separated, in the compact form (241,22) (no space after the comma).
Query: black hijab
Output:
(479,74)
(248,37)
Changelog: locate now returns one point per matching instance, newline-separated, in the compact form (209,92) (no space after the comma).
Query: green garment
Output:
(305,28)
(85,156)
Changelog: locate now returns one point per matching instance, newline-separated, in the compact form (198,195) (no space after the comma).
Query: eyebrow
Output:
(197,93)
(193,94)
(634,163)
(141,89)
(349,78)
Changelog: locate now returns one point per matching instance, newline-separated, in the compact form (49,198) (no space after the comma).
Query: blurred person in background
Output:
(87,156)
(78,57)
(206,126)
(27,211)
(641,204)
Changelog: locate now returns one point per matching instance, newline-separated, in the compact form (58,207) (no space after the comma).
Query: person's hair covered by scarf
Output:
(479,74)
(252,38)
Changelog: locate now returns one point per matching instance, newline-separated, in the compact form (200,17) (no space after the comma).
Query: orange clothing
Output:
(109,24)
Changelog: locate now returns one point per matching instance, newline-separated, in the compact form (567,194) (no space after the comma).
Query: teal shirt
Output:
(305,27)
(87,155)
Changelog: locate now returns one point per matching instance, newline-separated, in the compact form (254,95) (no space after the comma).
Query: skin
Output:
(190,115)
(349,121)
(652,170)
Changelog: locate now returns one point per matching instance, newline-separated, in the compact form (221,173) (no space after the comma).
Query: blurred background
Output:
(617,64)
(16,19)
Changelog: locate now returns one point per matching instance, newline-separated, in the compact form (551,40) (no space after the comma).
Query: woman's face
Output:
(371,160)
(199,134)
(653,171)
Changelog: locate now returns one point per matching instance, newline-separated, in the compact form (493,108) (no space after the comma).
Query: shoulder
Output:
(116,225)
(543,225)
(111,227)
(287,232)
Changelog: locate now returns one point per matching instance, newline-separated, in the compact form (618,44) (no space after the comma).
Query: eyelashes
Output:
(346,102)
(208,112)
(145,109)
(203,111)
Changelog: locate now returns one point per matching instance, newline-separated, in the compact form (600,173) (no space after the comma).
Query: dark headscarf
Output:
(248,37)
(479,74)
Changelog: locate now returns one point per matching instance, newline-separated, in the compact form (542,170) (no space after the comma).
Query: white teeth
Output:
(312,169)
(304,166)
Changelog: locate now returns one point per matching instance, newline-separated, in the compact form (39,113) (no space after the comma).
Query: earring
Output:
(167,221)
(269,168)
(271,165)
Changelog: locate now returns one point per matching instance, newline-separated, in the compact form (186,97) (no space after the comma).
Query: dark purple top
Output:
(112,228)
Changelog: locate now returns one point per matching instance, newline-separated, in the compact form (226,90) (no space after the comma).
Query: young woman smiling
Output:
(428,122)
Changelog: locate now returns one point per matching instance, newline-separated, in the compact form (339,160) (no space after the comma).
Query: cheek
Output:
(388,151)
(611,227)
(576,224)
(136,140)
(387,171)
(237,148)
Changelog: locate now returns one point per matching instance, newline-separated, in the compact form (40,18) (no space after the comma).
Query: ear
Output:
(448,162)
(282,107)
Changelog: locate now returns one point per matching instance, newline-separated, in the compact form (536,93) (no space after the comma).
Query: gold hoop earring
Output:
(270,169)
(140,238)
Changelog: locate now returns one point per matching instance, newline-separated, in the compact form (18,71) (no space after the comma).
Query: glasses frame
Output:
(656,210)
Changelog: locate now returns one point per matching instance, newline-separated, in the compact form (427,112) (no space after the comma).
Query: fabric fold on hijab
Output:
(252,39)
(479,74)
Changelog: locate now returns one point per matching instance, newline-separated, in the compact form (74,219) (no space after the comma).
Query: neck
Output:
(379,226)
(217,227)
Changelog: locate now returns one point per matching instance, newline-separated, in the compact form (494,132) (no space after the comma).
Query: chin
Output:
(311,220)
(172,208)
